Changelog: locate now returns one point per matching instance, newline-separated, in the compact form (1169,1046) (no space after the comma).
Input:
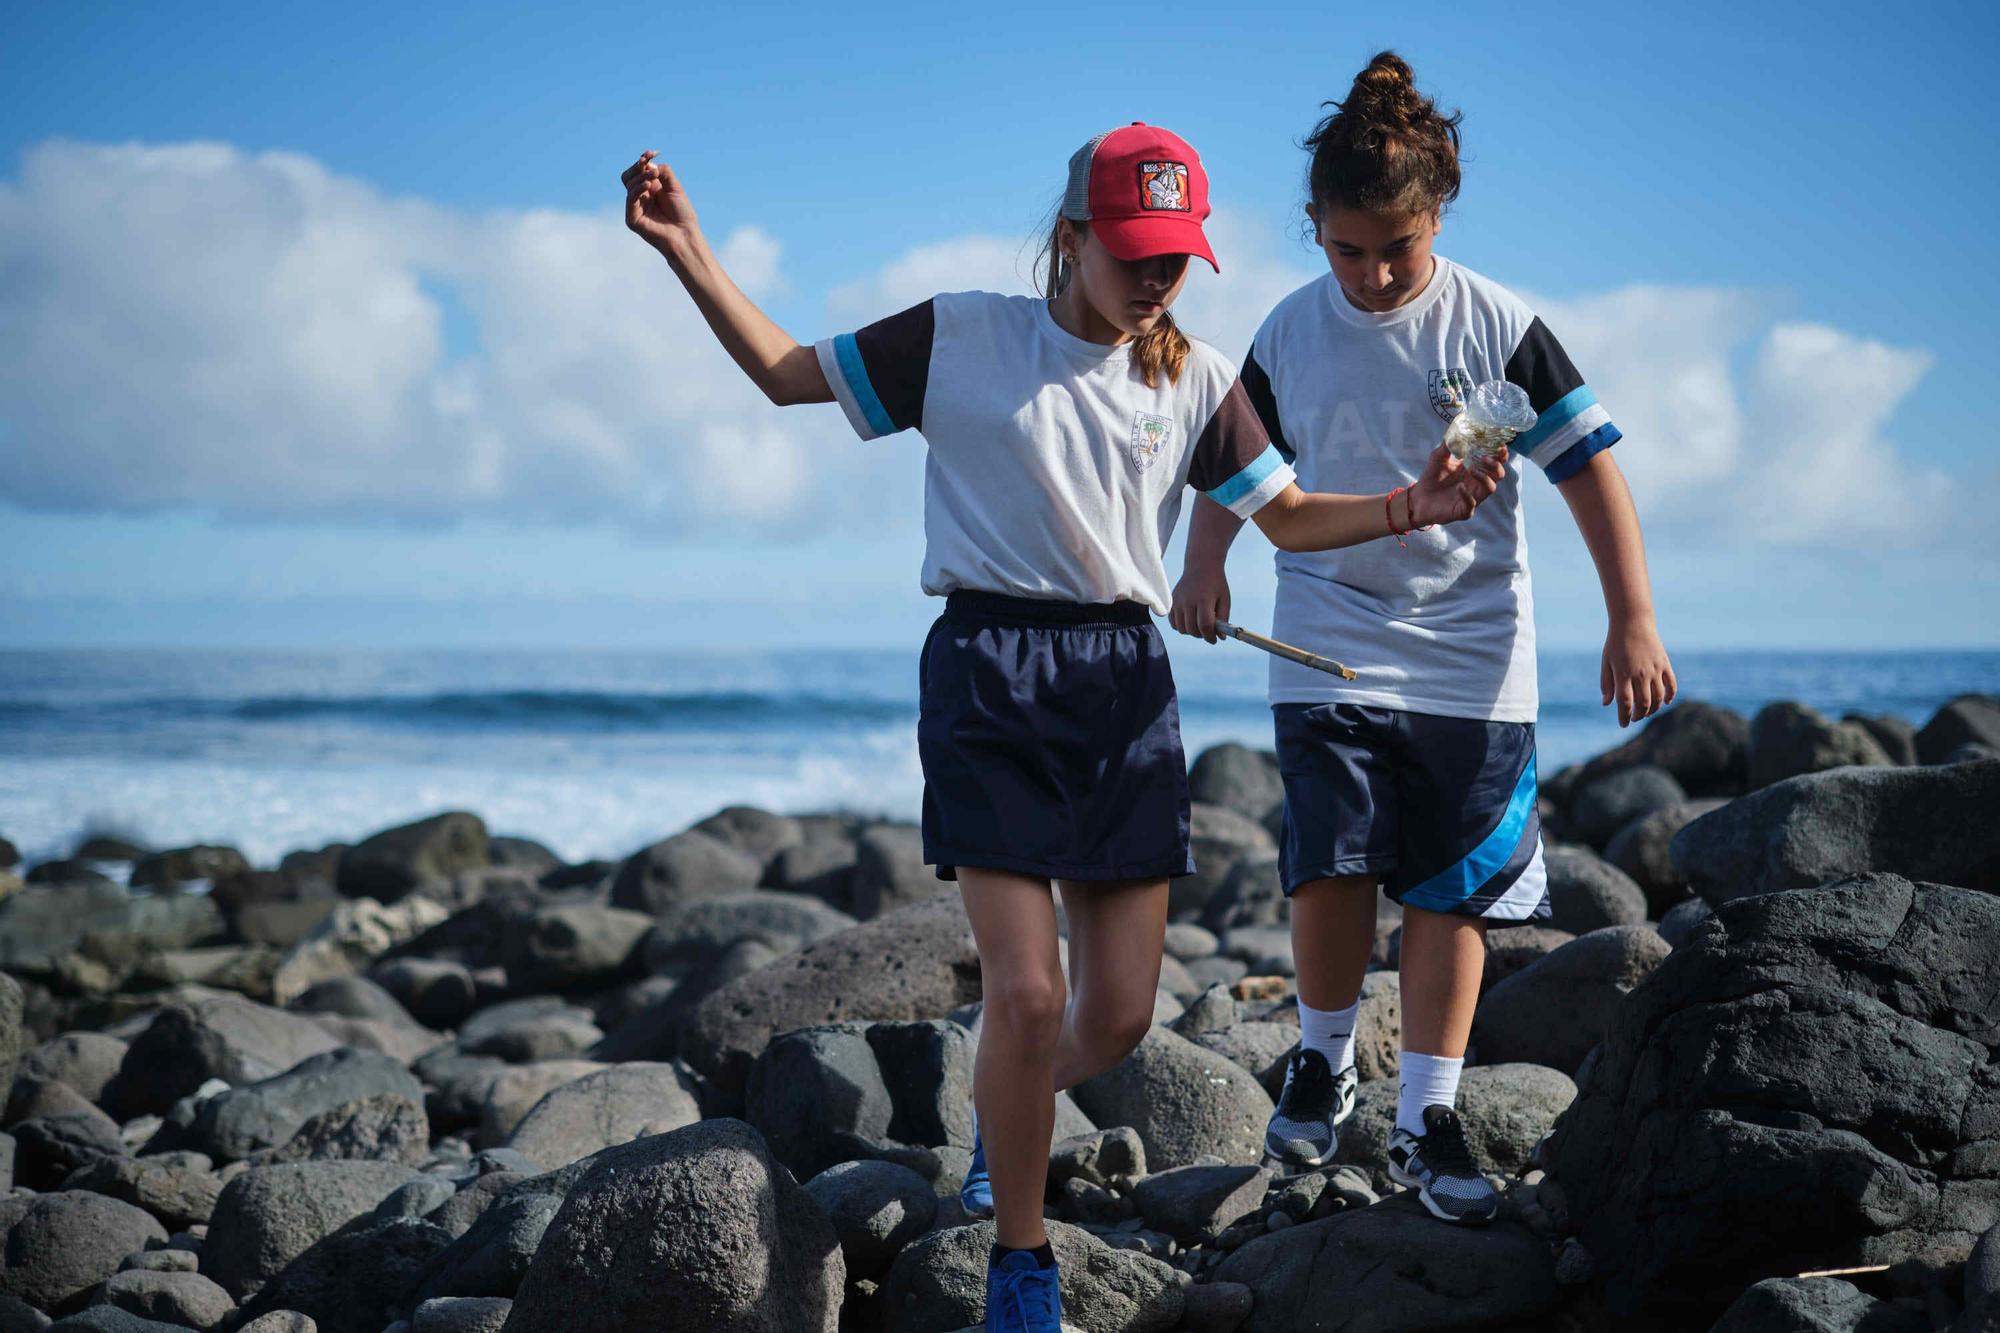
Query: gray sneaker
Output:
(1438,1165)
(1303,1129)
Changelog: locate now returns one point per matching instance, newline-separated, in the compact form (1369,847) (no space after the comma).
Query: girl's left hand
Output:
(1635,671)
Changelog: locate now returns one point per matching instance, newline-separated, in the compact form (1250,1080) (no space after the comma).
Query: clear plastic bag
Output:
(1489,416)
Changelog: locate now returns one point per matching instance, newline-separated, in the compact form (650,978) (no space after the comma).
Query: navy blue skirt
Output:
(1050,736)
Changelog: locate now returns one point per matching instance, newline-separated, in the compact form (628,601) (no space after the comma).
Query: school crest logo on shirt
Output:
(1149,438)
(1448,390)
(1163,187)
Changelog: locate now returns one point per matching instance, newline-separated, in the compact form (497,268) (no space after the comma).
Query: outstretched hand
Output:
(656,207)
(1450,490)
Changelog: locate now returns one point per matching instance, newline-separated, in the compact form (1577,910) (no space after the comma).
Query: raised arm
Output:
(659,210)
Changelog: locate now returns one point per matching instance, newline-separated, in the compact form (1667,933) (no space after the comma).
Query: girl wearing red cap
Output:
(1419,775)
(1062,432)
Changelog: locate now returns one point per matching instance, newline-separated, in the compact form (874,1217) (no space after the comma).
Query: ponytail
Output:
(1164,349)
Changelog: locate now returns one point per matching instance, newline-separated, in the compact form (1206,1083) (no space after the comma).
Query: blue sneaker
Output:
(975,1196)
(1022,1296)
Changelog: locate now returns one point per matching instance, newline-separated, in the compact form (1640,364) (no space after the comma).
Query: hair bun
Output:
(1386,148)
(1385,94)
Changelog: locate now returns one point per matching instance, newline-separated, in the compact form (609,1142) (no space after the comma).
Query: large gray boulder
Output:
(1196,1204)
(391,864)
(1558,1007)
(177,1188)
(48,1148)
(762,1258)
(876,1208)
(187,1300)
(270,1215)
(1602,805)
(1391,1266)
(1643,850)
(758,834)
(1587,893)
(1810,1084)
(940,1283)
(44,922)
(1788,739)
(889,870)
(1931,823)
(235,1124)
(600,1110)
(1706,748)
(687,865)
(438,993)
(61,1245)
(186,1045)
(915,962)
(515,1090)
(1185,1102)
(1221,839)
(385,1127)
(573,947)
(1815,1305)
(356,1280)
(689,934)
(86,1061)
(1238,777)
(492,1254)
(1970,719)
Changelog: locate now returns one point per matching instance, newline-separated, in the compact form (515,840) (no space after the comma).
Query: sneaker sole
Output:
(1408,1181)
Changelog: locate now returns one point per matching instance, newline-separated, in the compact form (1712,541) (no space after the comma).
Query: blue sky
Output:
(408,382)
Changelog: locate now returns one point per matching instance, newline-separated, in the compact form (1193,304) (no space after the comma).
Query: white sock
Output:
(1425,1080)
(1330,1032)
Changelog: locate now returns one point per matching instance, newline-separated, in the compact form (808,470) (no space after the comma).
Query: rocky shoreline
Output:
(440,1080)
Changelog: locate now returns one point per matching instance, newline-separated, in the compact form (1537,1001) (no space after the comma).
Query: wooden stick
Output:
(1847,1272)
(1285,650)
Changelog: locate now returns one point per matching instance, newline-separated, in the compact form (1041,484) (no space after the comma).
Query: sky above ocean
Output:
(319,328)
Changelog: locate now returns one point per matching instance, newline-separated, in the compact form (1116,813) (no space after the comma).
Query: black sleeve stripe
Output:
(897,354)
(1232,440)
(1541,366)
(1257,385)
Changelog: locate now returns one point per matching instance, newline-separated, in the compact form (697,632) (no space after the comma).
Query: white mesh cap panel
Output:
(1076,195)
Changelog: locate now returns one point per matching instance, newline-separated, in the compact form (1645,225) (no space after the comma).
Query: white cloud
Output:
(195,327)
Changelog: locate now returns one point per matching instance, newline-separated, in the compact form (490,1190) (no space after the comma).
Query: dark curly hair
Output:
(1386,148)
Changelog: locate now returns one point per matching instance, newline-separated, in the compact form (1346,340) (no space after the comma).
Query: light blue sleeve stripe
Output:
(856,375)
(1574,457)
(1560,414)
(1246,481)
(1446,890)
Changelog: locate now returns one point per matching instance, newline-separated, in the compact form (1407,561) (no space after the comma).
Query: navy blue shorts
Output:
(1051,742)
(1440,809)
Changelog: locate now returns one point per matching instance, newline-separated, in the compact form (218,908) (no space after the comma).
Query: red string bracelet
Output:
(1389,516)
(1410,510)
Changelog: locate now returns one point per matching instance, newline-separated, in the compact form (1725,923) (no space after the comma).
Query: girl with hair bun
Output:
(1062,434)
(1419,776)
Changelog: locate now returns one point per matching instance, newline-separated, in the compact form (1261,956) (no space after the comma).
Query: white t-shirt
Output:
(1359,400)
(1054,471)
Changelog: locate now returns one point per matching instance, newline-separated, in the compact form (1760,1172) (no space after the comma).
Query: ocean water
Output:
(597,754)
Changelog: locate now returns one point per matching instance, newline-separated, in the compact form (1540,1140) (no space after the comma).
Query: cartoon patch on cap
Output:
(1163,187)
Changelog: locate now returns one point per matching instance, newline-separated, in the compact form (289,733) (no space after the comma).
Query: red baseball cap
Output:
(1143,192)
